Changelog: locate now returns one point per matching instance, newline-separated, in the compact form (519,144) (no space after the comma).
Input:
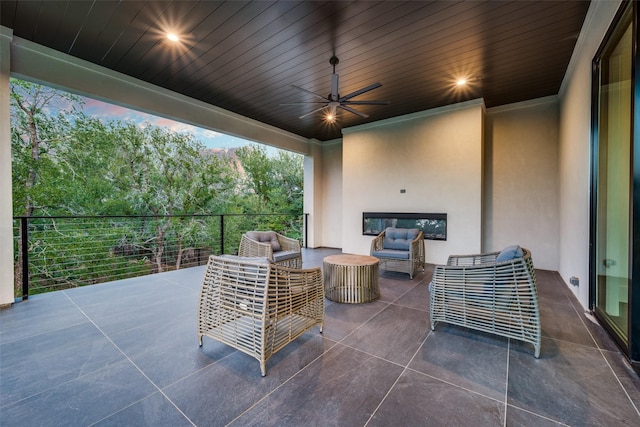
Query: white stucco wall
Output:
(521,179)
(574,149)
(435,156)
(6,210)
(332,194)
(312,197)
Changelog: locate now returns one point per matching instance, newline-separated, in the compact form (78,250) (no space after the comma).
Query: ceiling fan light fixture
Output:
(335,101)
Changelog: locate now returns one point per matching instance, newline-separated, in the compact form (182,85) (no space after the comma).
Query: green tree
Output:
(272,185)
(66,163)
(41,119)
(165,173)
(85,187)
(36,137)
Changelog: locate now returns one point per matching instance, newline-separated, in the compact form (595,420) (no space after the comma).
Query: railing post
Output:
(306,234)
(24,236)
(221,234)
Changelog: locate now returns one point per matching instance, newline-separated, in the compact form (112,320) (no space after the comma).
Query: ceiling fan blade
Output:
(314,111)
(351,110)
(361,91)
(304,102)
(308,91)
(334,86)
(365,102)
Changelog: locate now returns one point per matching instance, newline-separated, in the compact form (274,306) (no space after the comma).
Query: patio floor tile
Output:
(126,353)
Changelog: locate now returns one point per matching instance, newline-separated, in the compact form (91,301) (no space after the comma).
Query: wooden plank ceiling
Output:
(244,56)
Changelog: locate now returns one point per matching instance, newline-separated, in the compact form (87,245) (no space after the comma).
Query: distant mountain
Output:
(225,153)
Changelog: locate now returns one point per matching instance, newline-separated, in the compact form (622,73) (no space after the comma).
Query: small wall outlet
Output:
(574,281)
(402,190)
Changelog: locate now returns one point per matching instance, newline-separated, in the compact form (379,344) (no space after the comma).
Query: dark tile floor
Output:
(126,353)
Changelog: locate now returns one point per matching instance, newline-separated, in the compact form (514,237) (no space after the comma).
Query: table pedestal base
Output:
(351,278)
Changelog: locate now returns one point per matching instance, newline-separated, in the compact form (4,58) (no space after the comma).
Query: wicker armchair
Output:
(273,246)
(399,249)
(258,307)
(483,292)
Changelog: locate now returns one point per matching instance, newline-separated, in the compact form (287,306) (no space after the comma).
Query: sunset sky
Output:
(209,138)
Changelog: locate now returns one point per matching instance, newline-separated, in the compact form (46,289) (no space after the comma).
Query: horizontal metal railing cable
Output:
(60,252)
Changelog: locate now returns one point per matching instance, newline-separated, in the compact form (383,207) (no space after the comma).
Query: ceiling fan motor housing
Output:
(334,101)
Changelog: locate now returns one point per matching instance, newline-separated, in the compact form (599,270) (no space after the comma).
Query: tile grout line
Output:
(375,356)
(130,361)
(257,402)
(395,301)
(558,279)
(336,343)
(540,416)
(406,367)
(120,410)
(455,385)
(569,295)
(601,351)
(198,371)
(506,385)
(386,305)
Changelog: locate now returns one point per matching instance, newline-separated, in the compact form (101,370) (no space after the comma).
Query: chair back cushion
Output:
(265,237)
(509,253)
(399,238)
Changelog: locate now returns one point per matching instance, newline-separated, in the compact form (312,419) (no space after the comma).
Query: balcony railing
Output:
(52,253)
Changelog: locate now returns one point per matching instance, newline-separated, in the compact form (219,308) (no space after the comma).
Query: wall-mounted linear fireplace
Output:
(433,225)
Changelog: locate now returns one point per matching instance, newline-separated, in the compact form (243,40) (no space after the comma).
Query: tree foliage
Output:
(37,138)
(273,184)
(66,163)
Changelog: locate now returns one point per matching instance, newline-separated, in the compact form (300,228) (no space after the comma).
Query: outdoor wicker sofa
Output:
(399,249)
(494,292)
(256,306)
(274,246)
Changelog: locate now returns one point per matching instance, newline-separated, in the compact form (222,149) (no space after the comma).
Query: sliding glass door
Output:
(615,201)
(613,184)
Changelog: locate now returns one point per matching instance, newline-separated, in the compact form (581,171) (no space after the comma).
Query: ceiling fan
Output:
(335,101)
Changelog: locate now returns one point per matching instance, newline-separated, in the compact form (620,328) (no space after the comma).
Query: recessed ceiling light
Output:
(461,82)
(174,38)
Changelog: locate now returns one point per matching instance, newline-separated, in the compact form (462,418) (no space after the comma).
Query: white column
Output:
(6,210)
(313,194)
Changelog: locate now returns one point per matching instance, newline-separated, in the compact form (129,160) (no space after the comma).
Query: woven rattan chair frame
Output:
(414,263)
(496,297)
(258,307)
(252,248)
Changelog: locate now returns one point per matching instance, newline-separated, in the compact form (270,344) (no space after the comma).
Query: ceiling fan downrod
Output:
(334,101)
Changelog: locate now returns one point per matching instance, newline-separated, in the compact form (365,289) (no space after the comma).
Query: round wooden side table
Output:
(351,278)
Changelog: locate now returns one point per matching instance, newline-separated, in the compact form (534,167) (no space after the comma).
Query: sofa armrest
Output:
(416,248)
(377,243)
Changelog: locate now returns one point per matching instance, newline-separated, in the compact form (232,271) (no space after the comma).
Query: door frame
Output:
(632,348)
